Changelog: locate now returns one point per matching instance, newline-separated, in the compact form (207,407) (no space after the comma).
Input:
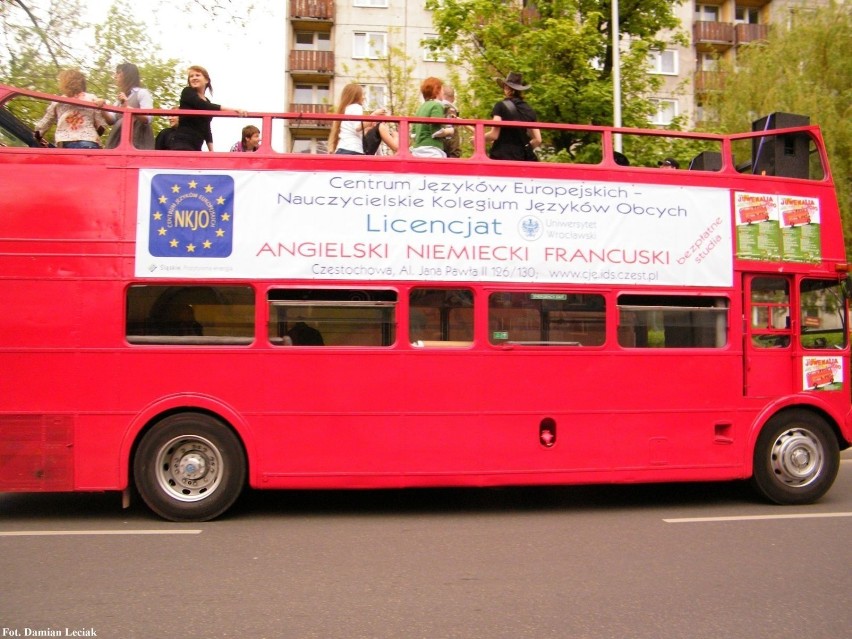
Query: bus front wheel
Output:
(189,467)
(796,458)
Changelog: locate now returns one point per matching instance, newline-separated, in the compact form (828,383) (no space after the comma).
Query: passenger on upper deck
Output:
(193,131)
(513,143)
(347,136)
(76,127)
(133,95)
(424,144)
(249,140)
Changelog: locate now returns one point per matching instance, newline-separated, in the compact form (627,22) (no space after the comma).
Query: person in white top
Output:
(347,136)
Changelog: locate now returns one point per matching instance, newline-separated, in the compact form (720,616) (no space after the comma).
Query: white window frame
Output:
(664,62)
(318,44)
(707,12)
(370,4)
(316,91)
(660,117)
(370,45)
(748,13)
(376,96)
(705,61)
(439,55)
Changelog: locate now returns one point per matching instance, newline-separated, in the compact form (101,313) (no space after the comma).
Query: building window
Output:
(313,41)
(433,55)
(376,4)
(747,15)
(369,44)
(311,94)
(376,96)
(706,13)
(663,62)
(666,112)
(706,62)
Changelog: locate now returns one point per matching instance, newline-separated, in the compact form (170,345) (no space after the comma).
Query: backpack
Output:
(371,140)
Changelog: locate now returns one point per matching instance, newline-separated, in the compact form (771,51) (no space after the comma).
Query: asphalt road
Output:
(690,561)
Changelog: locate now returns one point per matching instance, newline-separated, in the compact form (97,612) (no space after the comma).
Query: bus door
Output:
(768,349)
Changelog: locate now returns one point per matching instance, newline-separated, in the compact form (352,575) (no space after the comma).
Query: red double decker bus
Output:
(189,324)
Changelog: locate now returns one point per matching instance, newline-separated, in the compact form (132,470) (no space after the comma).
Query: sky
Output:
(246,63)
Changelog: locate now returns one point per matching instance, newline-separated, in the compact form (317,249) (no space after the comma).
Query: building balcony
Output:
(310,65)
(305,14)
(307,123)
(752,33)
(709,81)
(710,36)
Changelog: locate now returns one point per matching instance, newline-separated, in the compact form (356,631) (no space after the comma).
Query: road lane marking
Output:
(690,520)
(59,533)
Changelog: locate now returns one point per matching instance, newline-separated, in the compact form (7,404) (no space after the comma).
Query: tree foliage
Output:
(43,37)
(800,68)
(563,48)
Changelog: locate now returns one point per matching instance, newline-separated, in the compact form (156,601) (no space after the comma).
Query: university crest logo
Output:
(191,216)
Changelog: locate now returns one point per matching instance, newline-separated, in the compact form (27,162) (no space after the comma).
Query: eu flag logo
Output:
(191,216)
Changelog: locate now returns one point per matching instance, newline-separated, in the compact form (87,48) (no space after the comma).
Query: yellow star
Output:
(175,189)
(220,233)
(220,200)
(226,217)
(193,184)
(207,244)
(208,189)
(163,199)
(174,244)
(190,248)
(162,231)
(158,216)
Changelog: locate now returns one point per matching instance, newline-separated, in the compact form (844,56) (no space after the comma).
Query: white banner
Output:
(382,226)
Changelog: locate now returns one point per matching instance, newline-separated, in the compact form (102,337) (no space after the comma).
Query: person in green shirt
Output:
(425,145)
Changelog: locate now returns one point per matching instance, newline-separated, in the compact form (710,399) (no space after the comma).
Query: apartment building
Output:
(334,42)
(717,28)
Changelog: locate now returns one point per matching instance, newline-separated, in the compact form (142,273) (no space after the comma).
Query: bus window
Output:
(332,317)
(190,314)
(823,315)
(441,317)
(547,319)
(770,312)
(668,321)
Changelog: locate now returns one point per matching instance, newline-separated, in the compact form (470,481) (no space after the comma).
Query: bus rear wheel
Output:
(796,458)
(189,467)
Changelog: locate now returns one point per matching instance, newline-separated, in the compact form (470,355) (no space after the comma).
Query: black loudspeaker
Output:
(782,155)
(706,161)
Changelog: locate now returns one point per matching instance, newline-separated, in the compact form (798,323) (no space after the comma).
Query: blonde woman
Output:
(347,136)
(76,127)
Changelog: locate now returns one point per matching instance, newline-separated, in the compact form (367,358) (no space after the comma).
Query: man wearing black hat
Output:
(511,143)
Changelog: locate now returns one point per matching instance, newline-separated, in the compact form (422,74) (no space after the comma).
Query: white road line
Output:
(691,520)
(61,533)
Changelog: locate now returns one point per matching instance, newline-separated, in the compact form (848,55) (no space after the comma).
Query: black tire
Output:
(189,467)
(796,458)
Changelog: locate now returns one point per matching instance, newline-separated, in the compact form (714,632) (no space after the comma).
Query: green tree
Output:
(564,48)
(44,37)
(800,68)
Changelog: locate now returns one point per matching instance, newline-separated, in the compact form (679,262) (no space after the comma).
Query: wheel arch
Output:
(152,414)
(786,405)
